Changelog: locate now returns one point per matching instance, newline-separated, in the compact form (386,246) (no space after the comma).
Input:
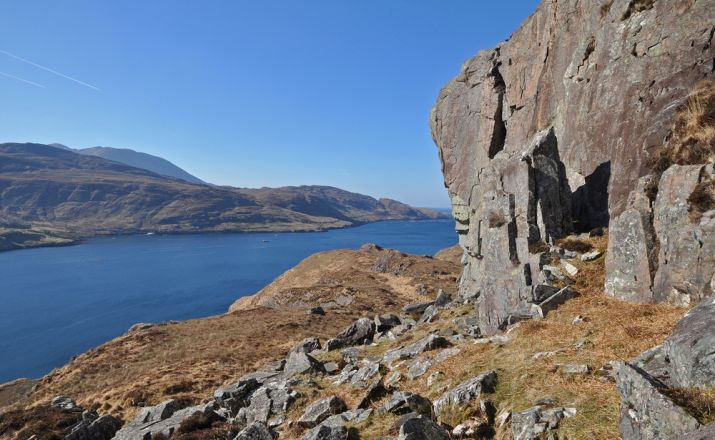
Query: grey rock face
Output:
(364,376)
(359,332)
(646,414)
(704,433)
(553,128)
(467,391)
(422,428)
(686,261)
(691,348)
(255,431)
(657,253)
(320,410)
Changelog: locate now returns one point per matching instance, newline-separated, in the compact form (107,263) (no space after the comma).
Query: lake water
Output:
(58,302)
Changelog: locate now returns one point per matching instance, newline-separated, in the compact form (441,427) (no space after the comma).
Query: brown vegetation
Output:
(700,403)
(574,245)
(692,140)
(45,422)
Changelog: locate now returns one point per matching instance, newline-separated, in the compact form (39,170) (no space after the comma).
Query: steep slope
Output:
(88,195)
(189,359)
(145,161)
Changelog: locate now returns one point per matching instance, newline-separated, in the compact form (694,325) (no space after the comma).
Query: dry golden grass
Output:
(693,135)
(700,403)
(617,331)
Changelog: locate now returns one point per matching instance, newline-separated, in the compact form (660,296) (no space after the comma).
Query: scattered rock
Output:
(317,311)
(320,410)
(364,376)
(63,402)
(467,391)
(386,322)
(401,403)
(573,369)
(308,345)
(427,343)
(417,368)
(94,427)
(358,333)
(255,431)
(442,299)
(416,309)
(324,432)
(590,256)
(535,422)
(569,268)
(429,314)
(422,428)
(235,396)
(579,319)
(301,363)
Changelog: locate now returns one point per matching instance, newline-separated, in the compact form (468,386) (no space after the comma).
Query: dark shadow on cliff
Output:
(589,203)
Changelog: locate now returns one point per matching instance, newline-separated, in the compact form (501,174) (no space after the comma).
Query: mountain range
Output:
(73,194)
(137,159)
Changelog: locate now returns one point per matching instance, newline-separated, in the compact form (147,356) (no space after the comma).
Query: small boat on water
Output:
(150,233)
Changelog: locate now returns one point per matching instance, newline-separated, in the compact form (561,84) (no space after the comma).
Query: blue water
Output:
(58,302)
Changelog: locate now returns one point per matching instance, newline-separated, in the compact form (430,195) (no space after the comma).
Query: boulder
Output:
(467,391)
(429,314)
(359,332)
(94,427)
(364,376)
(255,431)
(416,309)
(427,343)
(299,362)
(386,322)
(535,422)
(646,414)
(235,396)
(160,421)
(401,403)
(320,410)
(308,345)
(422,428)
(324,432)
(63,402)
(690,349)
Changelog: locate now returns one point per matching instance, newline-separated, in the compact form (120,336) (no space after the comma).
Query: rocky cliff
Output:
(548,133)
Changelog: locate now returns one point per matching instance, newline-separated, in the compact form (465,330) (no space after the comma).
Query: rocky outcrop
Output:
(550,131)
(690,348)
(656,251)
(646,413)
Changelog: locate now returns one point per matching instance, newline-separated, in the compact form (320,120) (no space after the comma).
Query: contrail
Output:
(24,60)
(22,79)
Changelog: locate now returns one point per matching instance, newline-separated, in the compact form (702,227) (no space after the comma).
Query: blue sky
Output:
(250,94)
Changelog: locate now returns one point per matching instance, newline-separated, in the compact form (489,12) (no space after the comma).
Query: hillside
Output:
(81,196)
(145,161)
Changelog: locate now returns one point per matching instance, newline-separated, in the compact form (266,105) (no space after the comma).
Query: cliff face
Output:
(550,131)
